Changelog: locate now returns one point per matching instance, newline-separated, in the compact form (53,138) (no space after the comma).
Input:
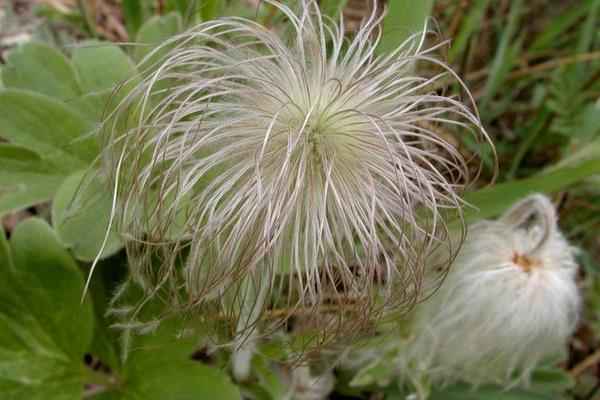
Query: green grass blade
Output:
(404,18)
(506,52)
(589,28)
(332,8)
(210,9)
(470,23)
(493,201)
(529,132)
(133,15)
(558,26)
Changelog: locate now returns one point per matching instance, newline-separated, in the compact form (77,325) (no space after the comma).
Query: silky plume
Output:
(509,302)
(263,177)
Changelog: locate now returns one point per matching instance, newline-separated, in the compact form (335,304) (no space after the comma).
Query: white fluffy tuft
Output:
(509,301)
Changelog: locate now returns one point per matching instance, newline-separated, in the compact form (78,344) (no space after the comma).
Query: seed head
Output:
(509,301)
(260,175)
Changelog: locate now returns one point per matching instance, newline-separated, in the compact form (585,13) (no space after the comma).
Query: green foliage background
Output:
(534,68)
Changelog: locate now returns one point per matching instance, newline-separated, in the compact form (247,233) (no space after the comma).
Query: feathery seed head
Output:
(509,301)
(260,174)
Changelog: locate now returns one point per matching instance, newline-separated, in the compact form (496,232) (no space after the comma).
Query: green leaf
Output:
(48,127)
(133,14)
(179,6)
(210,9)
(18,198)
(44,330)
(495,200)
(371,373)
(25,179)
(404,18)
(6,264)
(106,343)
(529,132)
(41,68)
(159,376)
(161,368)
(189,10)
(587,153)
(551,380)
(506,53)
(18,165)
(332,8)
(155,30)
(471,21)
(80,215)
(588,30)
(558,25)
(268,385)
(378,370)
(464,392)
(101,66)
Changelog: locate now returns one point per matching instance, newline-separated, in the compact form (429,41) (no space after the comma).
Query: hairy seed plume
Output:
(509,302)
(264,176)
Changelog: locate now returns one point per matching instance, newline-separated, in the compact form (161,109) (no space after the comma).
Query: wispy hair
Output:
(261,174)
(509,303)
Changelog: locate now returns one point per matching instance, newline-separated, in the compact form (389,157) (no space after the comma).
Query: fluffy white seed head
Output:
(509,301)
(262,173)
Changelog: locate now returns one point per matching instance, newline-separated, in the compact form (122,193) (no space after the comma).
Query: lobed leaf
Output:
(101,66)
(25,179)
(154,31)
(50,128)
(160,368)
(40,68)
(81,217)
(44,330)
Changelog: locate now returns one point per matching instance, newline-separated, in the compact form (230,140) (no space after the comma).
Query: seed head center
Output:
(525,263)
